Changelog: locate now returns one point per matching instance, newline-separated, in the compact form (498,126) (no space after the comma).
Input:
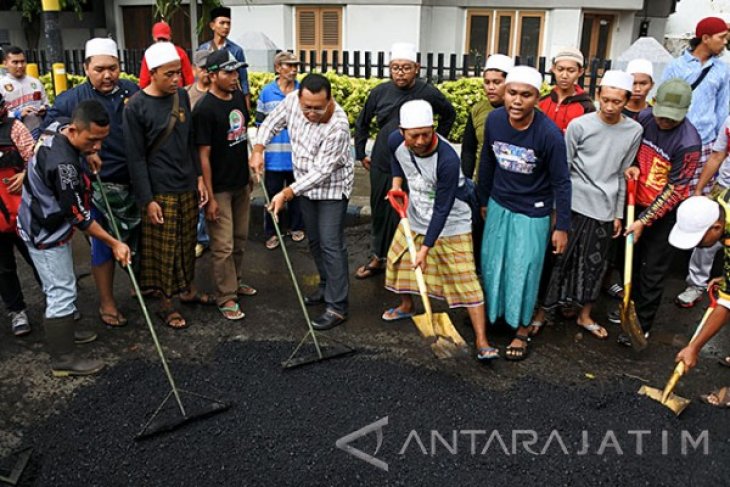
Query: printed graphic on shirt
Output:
(237,132)
(654,175)
(68,175)
(513,158)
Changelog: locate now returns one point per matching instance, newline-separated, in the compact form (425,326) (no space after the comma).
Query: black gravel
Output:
(283,427)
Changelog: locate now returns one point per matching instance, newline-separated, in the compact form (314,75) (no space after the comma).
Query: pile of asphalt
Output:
(284,424)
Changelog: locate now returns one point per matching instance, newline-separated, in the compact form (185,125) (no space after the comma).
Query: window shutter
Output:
(306,29)
(331,28)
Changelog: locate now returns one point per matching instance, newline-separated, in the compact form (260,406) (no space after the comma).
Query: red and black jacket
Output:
(572,107)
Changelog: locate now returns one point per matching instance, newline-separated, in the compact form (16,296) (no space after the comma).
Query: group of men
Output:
(533,205)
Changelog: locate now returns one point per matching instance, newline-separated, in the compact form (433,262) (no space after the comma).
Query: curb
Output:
(356,215)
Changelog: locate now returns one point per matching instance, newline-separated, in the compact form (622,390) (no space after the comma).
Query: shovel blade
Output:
(424,325)
(676,403)
(446,341)
(630,326)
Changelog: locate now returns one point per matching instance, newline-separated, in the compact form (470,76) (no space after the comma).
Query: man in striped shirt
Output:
(323,166)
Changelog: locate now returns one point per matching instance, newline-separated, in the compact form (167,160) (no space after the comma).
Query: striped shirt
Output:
(322,159)
(278,152)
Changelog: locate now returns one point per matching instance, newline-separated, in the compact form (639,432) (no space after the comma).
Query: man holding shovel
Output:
(441,220)
(701,223)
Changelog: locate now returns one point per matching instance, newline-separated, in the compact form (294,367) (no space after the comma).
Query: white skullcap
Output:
(618,79)
(640,66)
(160,53)
(526,75)
(416,114)
(101,46)
(404,51)
(500,62)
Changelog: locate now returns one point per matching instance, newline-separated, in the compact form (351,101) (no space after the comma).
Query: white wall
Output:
(443,30)
(563,28)
(623,33)
(689,12)
(273,20)
(370,28)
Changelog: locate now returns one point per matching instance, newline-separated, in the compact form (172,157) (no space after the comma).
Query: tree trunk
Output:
(52,36)
(32,31)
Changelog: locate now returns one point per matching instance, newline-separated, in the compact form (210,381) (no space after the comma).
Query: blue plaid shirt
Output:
(237,52)
(711,99)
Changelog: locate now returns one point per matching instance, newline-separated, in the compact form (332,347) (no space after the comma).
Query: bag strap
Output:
(702,76)
(162,137)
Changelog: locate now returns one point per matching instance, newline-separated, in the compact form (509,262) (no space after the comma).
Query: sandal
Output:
(616,291)
(395,314)
(517,354)
(487,354)
(246,290)
(536,327)
(297,235)
(595,329)
(725,362)
(173,319)
(232,313)
(272,242)
(719,398)
(117,317)
(199,298)
(369,270)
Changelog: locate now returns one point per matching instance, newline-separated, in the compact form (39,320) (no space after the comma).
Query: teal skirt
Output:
(513,251)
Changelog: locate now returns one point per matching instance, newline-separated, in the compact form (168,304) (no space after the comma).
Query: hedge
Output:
(351,94)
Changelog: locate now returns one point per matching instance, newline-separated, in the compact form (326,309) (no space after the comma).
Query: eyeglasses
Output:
(405,69)
(316,111)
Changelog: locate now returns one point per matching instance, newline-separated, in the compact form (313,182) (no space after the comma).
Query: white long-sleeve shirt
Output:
(322,156)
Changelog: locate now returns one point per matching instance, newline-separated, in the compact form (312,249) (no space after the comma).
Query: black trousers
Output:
(384,218)
(10,291)
(275,182)
(652,260)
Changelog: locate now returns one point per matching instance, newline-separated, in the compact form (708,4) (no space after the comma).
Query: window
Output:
(506,32)
(319,28)
(596,36)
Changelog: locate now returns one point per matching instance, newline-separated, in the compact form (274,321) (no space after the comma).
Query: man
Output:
(440,219)
(702,68)
(278,166)
(161,32)
(523,174)
(16,149)
(494,75)
(105,86)
(220,24)
(220,123)
(167,183)
(384,103)
(566,100)
(643,72)
(196,91)
(601,146)
(665,163)
(324,177)
(703,223)
(54,202)
(25,95)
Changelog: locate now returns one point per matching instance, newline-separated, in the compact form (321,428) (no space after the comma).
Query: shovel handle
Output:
(401,206)
(631,191)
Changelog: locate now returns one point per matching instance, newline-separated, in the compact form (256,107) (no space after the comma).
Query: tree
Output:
(31,16)
(164,9)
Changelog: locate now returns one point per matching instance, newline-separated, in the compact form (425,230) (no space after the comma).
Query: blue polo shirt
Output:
(278,152)
(237,52)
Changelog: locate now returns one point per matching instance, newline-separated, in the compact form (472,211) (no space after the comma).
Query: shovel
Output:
(629,320)
(437,327)
(666,396)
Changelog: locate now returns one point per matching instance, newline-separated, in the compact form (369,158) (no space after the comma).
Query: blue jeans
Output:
(55,267)
(324,221)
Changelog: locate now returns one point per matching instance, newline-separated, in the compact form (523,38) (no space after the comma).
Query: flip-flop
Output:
(616,291)
(398,315)
(366,271)
(118,317)
(722,395)
(297,235)
(239,315)
(170,315)
(518,353)
(487,354)
(246,290)
(725,362)
(536,327)
(593,329)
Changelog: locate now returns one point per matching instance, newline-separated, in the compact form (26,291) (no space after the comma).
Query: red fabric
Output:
(710,26)
(186,79)
(161,30)
(9,203)
(572,107)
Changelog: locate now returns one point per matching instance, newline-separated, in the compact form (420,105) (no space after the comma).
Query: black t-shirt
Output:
(221,124)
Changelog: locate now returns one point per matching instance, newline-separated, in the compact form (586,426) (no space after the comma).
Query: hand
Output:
(617,227)
(256,164)
(41,111)
(560,241)
(154,213)
(94,162)
(714,282)
(632,173)
(366,163)
(421,258)
(636,228)
(212,212)
(203,192)
(15,186)
(698,191)
(122,253)
(688,355)
(27,111)
(276,205)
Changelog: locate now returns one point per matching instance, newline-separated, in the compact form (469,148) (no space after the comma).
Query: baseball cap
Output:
(673,99)
(200,58)
(285,57)
(222,59)
(695,216)
(161,30)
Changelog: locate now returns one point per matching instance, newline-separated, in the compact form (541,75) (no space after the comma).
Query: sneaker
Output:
(19,323)
(690,296)
(614,317)
(625,340)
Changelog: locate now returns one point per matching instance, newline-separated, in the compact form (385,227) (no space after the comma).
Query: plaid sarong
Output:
(450,273)
(704,155)
(167,251)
